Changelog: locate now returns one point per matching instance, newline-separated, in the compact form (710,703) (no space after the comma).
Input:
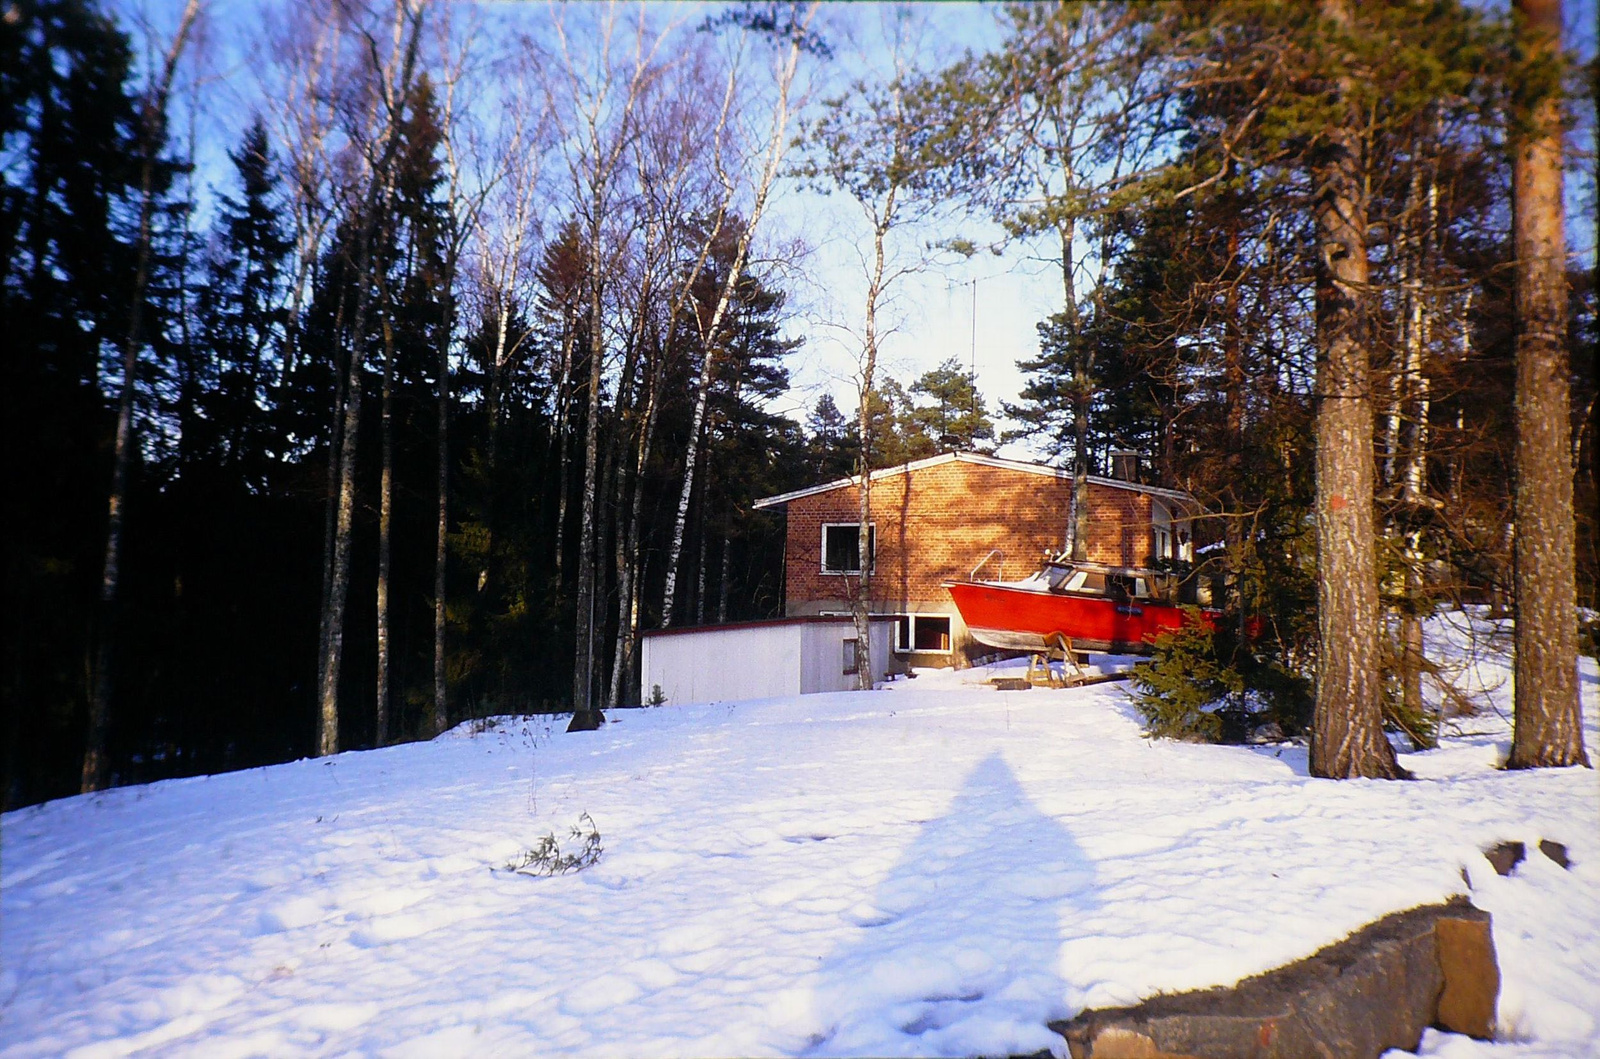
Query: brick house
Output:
(959,515)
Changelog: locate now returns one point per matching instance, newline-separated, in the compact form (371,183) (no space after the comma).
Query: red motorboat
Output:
(1081,606)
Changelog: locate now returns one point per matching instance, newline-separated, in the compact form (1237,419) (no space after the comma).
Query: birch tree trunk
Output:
(1347,738)
(396,88)
(338,574)
(152,131)
(628,574)
(1548,730)
(861,606)
(777,147)
(1414,447)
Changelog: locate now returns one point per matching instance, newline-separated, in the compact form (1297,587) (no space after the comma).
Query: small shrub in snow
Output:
(1202,684)
(548,858)
(657,697)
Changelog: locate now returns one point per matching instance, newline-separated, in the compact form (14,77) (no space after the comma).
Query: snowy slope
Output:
(932,869)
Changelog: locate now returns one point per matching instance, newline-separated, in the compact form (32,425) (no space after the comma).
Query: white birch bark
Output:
(776,148)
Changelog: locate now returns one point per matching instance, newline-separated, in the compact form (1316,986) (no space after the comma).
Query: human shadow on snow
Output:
(960,949)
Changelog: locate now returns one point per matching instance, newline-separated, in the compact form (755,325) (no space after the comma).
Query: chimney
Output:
(1125,465)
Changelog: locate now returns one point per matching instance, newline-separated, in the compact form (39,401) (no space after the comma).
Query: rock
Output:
(1555,851)
(1471,976)
(1119,1043)
(1505,856)
(1270,732)
(1377,989)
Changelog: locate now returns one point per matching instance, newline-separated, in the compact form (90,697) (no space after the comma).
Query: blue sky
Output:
(981,311)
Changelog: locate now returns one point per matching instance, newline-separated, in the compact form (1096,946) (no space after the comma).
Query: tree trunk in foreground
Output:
(1347,737)
(1549,724)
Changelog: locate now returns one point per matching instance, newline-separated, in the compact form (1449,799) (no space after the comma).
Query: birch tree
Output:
(793,36)
(604,93)
(676,182)
(392,70)
(873,147)
(466,201)
(152,135)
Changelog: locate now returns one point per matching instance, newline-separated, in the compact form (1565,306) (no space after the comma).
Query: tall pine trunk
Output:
(441,551)
(1548,729)
(385,526)
(1347,738)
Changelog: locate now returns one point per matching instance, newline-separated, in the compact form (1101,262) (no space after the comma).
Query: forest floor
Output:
(933,869)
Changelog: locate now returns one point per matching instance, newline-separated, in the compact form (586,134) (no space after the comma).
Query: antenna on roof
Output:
(972,355)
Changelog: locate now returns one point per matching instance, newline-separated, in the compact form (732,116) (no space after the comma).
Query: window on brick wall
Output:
(841,547)
(922,633)
(1171,538)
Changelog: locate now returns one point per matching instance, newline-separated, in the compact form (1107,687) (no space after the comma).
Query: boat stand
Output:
(1043,670)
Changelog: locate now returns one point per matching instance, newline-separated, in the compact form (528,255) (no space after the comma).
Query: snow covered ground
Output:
(937,869)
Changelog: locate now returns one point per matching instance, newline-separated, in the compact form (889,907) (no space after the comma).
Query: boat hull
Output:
(1011,618)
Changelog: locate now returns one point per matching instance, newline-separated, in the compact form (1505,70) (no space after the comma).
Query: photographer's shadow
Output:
(960,949)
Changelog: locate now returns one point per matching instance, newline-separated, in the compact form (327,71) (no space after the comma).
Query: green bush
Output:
(1182,678)
(1203,684)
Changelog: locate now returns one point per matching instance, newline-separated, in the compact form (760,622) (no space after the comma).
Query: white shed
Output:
(757,659)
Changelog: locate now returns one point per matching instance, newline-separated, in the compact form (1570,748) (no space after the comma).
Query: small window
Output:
(841,547)
(922,633)
(932,633)
(1161,529)
(852,661)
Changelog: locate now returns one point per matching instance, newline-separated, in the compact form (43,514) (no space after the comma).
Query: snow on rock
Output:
(935,869)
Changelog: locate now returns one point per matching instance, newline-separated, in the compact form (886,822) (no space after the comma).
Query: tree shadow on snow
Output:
(959,950)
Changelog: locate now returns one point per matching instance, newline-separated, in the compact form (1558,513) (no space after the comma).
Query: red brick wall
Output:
(937,523)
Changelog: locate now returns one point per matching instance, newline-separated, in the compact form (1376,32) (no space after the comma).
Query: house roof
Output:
(977,458)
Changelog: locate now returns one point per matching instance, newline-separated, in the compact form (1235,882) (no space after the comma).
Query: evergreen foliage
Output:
(1204,683)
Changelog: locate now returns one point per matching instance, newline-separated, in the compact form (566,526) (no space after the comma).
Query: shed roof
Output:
(763,623)
(977,458)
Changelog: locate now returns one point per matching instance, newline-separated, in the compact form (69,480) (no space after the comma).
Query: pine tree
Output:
(242,315)
(1549,717)
(829,452)
(952,415)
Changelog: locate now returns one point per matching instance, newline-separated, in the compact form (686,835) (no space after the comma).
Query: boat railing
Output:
(985,561)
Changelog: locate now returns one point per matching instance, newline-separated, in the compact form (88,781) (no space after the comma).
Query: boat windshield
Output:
(1095,583)
(1066,579)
